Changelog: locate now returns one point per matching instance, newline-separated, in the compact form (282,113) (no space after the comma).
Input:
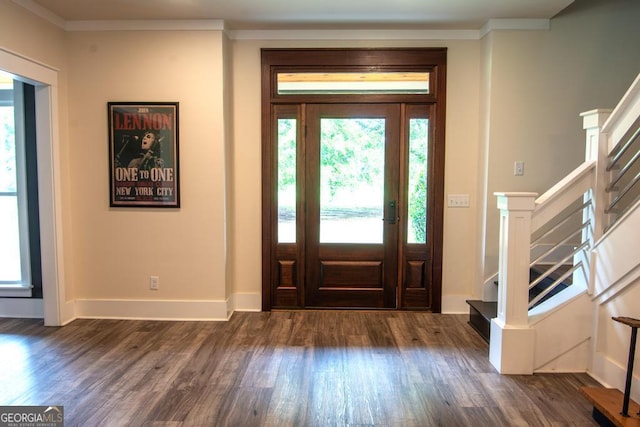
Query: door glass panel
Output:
(351,180)
(287,131)
(418,161)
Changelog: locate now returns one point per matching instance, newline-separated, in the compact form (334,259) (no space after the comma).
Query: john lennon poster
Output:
(143,154)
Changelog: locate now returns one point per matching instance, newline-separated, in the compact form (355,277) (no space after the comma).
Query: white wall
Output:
(616,292)
(611,341)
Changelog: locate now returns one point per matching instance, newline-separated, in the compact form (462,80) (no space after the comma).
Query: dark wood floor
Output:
(302,368)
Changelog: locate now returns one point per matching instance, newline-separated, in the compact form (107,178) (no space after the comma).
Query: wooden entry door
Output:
(301,266)
(352,181)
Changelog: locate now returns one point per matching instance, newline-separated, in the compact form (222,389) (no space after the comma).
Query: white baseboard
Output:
(67,313)
(25,308)
(151,310)
(245,301)
(194,310)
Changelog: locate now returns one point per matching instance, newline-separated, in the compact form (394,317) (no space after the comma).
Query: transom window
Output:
(290,83)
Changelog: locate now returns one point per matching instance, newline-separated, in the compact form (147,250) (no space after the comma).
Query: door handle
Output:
(391,213)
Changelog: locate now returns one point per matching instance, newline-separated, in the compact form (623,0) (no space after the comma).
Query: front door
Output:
(353,178)
(352,181)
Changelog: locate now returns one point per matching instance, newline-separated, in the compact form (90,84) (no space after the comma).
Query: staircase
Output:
(570,260)
(481,312)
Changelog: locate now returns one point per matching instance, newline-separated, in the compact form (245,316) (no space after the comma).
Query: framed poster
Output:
(143,154)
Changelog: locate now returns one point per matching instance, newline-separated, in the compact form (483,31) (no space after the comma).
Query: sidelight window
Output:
(287,147)
(417,191)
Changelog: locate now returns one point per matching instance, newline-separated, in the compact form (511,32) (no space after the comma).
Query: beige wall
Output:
(115,250)
(461,165)
(227,89)
(246,232)
(31,37)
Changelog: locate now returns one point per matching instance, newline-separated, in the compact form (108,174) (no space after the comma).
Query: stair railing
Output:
(624,168)
(604,187)
(566,232)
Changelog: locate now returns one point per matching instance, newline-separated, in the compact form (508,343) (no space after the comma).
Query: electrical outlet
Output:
(154,283)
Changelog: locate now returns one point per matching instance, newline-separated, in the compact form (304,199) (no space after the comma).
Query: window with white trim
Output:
(16,279)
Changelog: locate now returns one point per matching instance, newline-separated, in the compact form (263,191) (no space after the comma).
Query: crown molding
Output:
(515,24)
(397,34)
(122,25)
(147,25)
(354,34)
(306,34)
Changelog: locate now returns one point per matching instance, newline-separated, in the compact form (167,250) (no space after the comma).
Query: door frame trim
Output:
(355,59)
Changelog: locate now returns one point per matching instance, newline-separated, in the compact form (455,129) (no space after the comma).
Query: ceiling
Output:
(258,14)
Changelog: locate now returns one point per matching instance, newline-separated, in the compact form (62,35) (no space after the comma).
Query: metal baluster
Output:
(634,324)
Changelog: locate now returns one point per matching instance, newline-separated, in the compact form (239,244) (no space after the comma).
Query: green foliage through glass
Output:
(418,161)
(287,132)
(351,180)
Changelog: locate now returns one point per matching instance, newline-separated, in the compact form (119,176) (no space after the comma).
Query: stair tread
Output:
(488,309)
(609,402)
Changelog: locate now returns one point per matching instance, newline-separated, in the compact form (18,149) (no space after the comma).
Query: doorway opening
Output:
(353,178)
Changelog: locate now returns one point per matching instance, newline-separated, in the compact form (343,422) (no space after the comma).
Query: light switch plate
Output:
(458,200)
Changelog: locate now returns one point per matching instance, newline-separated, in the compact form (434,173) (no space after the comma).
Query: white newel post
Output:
(597,149)
(511,344)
